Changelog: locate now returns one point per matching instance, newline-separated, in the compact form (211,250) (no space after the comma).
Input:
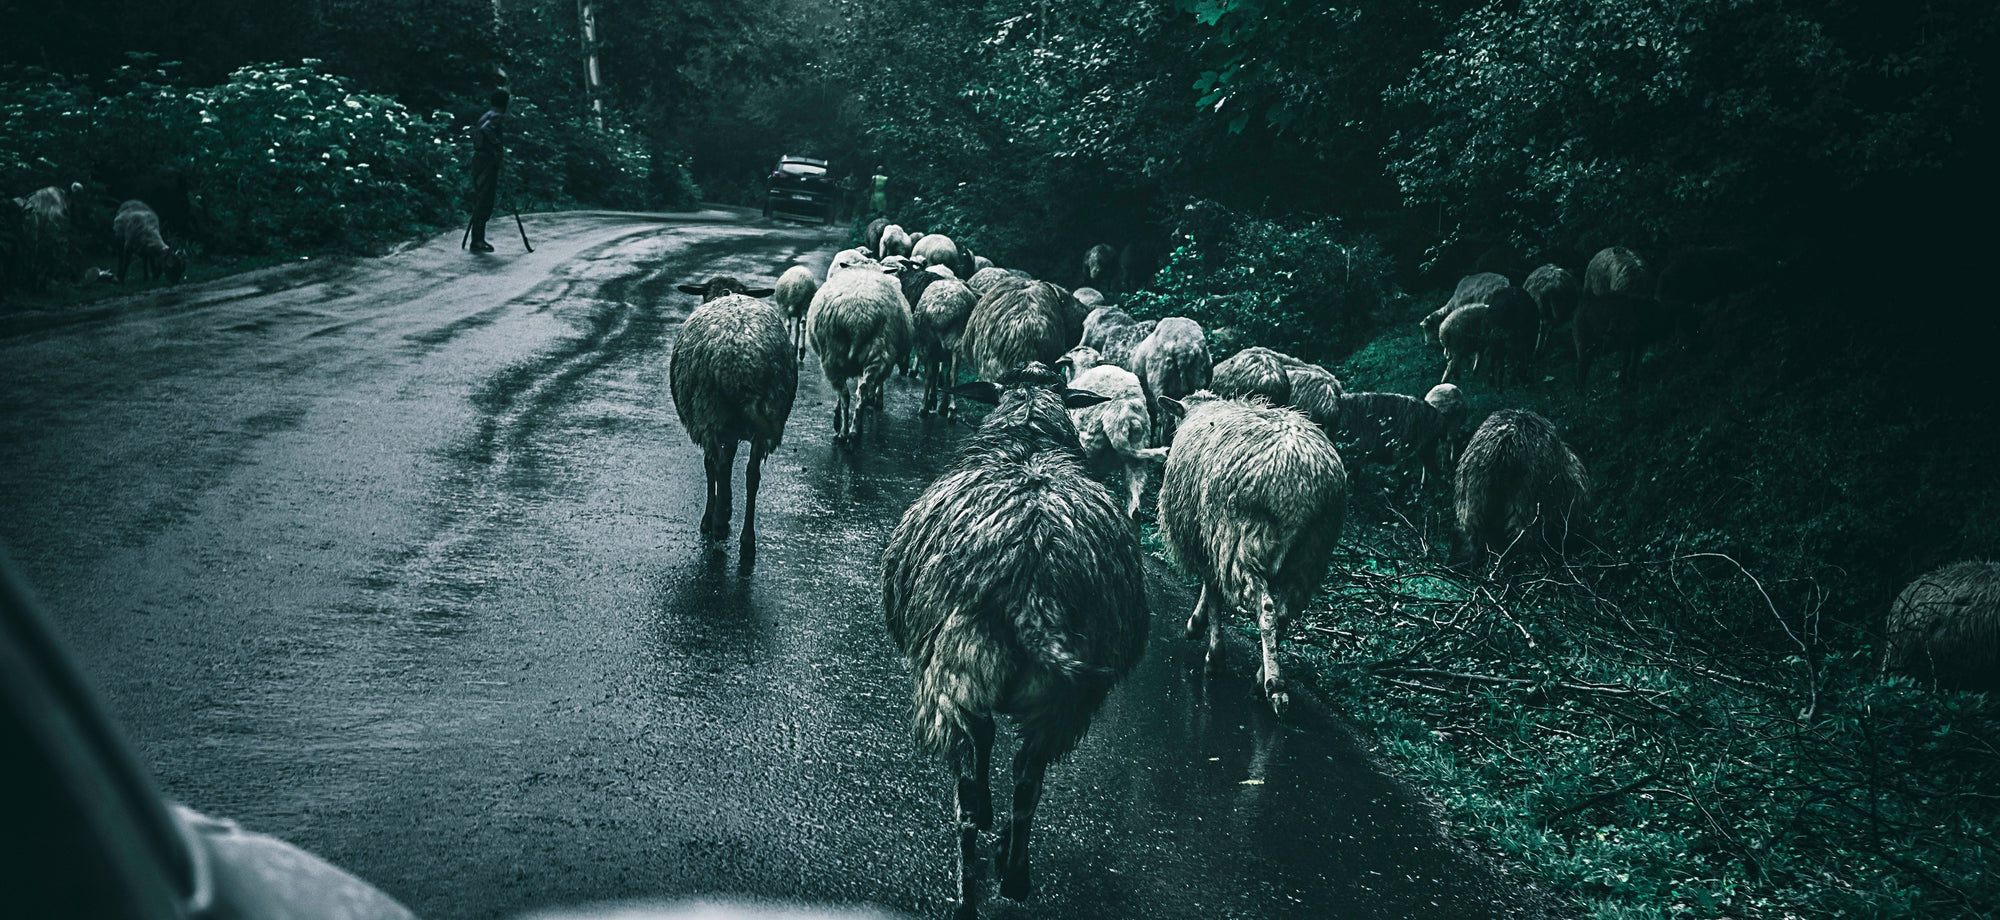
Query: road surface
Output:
(397,559)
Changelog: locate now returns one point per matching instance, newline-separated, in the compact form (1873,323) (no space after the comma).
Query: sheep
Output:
(1452,408)
(895,242)
(721,286)
(1172,361)
(1470,289)
(1079,359)
(985,280)
(1012,585)
(1254,371)
(935,249)
(1100,262)
(1090,297)
(1315,391)
(851,258)
(794,294)
(1392,428)
(1118,343)
(1011,326)
(941,313)
(1465,335)
(1114,433)
(1623,322)
(1705,274)
(981,263)
(871,236)
(1251,502)
(46,231)
(733,375)
(1100,321)
(139,235)
(1617,270)
(1555,290)
(860,326)
(1945,628)
(1517,480)
(1513,319)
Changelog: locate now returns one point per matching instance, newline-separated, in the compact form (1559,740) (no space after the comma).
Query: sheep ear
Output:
(984,391)
(691,289)
(1082,399)
(760,292)
(1173,407)
(1065,361)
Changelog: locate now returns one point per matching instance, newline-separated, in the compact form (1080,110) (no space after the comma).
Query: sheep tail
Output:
(1043,634)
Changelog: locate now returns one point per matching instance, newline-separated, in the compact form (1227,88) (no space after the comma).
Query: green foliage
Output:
(1310,287)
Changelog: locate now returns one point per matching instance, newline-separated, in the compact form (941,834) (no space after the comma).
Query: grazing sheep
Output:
(1466,336)
(935,249)
(940,325)
(1617,270)
(794,294)
(1451,406)
(1470,289)
(1013,586)
(1513,319)
(1555,290)
(138,232)
(1251,502)
(895,242)
(1945,628)
(1119,342)
(1393,429)
(1704,274)
(1114,433)
(985,280)
(1013,325)
(1172,361)
(721,286)
(733,375)
(45,232)
(860,326)
(1254,371)
(1518,480)
(1315,391)
(871,236)
(1100,263)
(1607,323)
(913,278)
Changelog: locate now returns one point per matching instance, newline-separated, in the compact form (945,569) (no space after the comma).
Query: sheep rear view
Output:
(1013,325)
(1013,587)
(860,326)
(1251,503)
(1518,480)
(794,293)
(1555,291)
(733,376)
(1172,361)
(1114,433)
(941,314)
(1254,371)
(1945,627)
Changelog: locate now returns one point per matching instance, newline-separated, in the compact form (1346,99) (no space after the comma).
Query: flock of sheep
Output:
(38,233)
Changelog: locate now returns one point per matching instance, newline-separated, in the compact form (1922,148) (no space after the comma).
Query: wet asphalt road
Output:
(398,560)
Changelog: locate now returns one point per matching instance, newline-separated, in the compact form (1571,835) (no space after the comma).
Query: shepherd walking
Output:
(486,148)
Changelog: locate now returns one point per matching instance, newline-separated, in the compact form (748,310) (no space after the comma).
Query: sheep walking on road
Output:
(733,377)
(1173,361)
(1114,433)
(860,326)
(941,314)
(794,294)
(1516,481)
(1015,324)
(1014,587)
(1945,627)
(1251,502)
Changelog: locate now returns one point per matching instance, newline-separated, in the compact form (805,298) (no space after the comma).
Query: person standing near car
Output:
(487,145)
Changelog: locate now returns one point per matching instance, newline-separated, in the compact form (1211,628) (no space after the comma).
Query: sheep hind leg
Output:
(971,759)
(710,460)
(1270,618)
(753,474)
(1030,766)
(725,462)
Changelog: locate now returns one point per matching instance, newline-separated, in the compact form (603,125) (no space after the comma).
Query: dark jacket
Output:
(486,137)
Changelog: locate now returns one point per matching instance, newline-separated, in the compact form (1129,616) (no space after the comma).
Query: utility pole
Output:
(593,81)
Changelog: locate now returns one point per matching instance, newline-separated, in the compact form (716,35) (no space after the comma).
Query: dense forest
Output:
(1692,721)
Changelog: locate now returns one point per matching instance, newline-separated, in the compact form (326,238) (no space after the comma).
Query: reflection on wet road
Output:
(399,561)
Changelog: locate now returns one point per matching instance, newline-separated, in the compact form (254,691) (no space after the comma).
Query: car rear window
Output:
(802,169)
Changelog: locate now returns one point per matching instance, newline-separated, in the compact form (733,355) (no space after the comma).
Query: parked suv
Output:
(799,187)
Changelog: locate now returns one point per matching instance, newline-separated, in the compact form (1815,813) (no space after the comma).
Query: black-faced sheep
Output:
(1470,289)
(1014,586)
(1172,361)
(1518,481)
(1945,628)
(139,235)
(1555,291)
(1013,325)
(861,327)
(1114,433)
(733,376)
(1254,371)
(1617,270)
(794,293)
(1251,503)
(1607,323)
(941,314)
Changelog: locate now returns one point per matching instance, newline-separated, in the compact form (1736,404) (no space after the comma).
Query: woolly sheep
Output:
(871,236)
(940,325)
(1465,335)
(1471,289)
(46,231)
(733,375)
(1012,585)
(1254,371)
(1172,361)
(895,242)
(1516,481)
(1315,391)
(794,294)
(1392,429)
(1945,628)
(1090,297)
(1114,433)
(1079,359)
(1011,326)
(1555,291)
(1100,321)
(138,231)
(981,263)
(1617,270)
(985,280)
(861,327)
(1251,502)
(1100,262)
(935,249)
(851,258)
(1607,323)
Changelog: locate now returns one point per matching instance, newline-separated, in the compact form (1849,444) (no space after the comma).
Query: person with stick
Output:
(486,149)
